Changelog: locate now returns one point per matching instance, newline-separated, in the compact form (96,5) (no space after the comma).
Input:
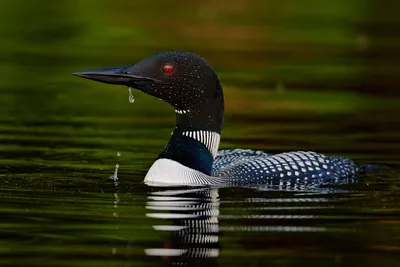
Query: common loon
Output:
(191,157)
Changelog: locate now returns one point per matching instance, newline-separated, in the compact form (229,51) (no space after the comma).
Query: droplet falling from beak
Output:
(131,97)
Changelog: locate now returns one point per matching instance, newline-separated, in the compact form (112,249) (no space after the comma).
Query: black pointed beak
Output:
(117,75)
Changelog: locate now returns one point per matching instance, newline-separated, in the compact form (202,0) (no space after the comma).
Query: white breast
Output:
(166,172)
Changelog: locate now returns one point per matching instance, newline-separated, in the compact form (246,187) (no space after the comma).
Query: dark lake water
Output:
(295,78)
(58,209)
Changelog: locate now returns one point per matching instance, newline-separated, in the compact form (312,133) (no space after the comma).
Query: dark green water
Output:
(295,77)
(57,209)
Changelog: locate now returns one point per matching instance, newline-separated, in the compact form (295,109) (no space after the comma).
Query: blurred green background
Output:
(315,75)
(337,45)
(290,70)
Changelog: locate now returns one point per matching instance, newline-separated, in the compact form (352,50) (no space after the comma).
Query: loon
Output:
(191,157)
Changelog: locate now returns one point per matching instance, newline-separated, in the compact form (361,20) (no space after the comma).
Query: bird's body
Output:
(191,157)
(290,169)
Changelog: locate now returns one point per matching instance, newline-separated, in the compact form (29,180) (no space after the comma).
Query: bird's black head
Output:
(182,79)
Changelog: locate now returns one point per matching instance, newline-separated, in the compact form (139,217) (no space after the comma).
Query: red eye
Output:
(168,68)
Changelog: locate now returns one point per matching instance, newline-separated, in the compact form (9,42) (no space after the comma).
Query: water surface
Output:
(59,209)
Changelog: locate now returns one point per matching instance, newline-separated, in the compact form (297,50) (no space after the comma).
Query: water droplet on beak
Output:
(131,97)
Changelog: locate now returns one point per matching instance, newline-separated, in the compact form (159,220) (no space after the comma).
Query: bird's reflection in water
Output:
(191,216)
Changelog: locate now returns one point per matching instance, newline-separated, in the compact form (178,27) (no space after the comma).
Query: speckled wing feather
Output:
(289,169)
